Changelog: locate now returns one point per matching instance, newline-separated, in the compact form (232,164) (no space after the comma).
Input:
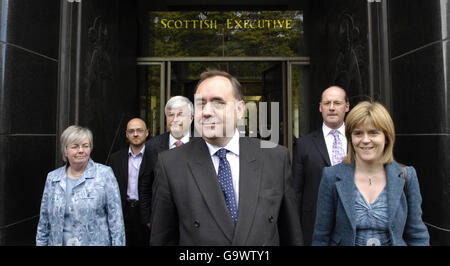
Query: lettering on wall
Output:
(229,24)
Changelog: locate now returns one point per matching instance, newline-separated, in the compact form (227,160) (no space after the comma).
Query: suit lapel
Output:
(249,181)
(165,144)
(319,142)
(203,171)
(124,176)
(394,187)
(345,187)
(143,162)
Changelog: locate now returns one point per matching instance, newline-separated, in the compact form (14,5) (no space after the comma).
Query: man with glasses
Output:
(322,148)
(129,166)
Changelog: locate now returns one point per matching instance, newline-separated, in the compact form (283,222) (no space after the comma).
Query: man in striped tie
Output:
(321,148)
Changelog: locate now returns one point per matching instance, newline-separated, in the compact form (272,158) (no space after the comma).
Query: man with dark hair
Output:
(223,189)
(321,148)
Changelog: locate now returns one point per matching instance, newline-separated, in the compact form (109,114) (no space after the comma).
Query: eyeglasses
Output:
(138,131)
(335,103)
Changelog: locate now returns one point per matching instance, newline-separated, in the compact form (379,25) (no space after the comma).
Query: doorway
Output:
(279,83)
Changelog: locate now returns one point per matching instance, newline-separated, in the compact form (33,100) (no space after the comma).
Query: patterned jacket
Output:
(97,218)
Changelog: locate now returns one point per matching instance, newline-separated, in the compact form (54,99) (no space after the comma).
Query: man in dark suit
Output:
(314,151)
(129,166)
(223,189)
(179,113)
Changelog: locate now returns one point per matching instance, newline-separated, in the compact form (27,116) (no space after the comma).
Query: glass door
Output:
(298,105)
(263,84)
(274,88)
(152,96)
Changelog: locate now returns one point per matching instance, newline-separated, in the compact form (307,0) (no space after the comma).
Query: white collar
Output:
(184,139)
(326,130)
(130,151)
(232,146)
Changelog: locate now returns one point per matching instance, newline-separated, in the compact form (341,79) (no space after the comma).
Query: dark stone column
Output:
(101,84)
(28,89)
(108,95)
(420,77)
(336,34)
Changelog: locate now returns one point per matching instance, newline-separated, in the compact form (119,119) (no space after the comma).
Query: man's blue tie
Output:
(226,182)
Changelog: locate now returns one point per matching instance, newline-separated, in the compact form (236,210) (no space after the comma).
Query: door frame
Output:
(165,63)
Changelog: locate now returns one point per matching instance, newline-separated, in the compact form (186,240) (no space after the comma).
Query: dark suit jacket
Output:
(189,208)
(119,164)
(336,219)
(155,145)
(310,157)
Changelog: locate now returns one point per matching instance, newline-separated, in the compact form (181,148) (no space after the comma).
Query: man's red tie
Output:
(179,143)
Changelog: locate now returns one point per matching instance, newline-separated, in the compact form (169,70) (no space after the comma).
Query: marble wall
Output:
(108,95)
(336,34)
(419,52)
(29,43)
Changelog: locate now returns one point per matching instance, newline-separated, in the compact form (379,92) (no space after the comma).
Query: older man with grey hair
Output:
(179,112)
(179,115)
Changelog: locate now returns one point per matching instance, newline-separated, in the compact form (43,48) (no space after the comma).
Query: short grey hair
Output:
(178,102)
(74,134)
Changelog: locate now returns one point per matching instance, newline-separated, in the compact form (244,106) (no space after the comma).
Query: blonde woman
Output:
(81,201)
(362,200)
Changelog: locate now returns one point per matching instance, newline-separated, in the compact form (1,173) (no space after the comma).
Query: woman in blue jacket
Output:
(361,201)
(81,201)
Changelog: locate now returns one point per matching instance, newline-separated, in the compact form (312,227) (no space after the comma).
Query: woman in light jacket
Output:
(361,201)
(81,202)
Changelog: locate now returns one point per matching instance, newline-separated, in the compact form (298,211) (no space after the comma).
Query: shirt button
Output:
(196,224)
(271,219)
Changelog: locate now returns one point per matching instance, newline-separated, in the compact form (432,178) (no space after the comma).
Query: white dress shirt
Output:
(172,140)
(233,160)
(329,139)
(134,164)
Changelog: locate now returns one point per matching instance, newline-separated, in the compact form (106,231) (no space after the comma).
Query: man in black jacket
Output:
(129,166)
(314,151)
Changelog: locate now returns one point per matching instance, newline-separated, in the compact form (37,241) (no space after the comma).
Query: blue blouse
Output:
(372,220)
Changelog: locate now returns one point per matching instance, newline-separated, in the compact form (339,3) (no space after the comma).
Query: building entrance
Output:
(273,89)
(264,50)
